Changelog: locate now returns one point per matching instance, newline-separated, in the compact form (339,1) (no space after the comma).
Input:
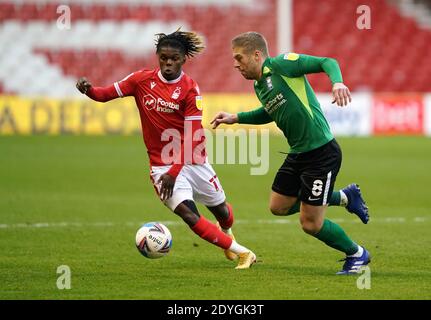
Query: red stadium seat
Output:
(389,56)
(393,43)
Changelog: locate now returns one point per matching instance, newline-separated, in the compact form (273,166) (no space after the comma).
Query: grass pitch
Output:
(78,201)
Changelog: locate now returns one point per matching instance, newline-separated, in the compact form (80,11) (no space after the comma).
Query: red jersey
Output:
(170,112)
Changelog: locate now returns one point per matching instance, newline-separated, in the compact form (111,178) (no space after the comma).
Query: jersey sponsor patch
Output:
(149,101)
(199,105)
(291,56)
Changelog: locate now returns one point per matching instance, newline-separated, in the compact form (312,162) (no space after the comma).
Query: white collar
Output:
(161,77)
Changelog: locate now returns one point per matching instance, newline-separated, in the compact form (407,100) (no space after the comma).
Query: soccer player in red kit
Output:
(170,109)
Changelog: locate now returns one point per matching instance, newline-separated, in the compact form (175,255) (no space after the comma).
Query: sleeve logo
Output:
(291,56)
(199,105)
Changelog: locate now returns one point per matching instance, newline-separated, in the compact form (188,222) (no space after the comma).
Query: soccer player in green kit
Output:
(308,174)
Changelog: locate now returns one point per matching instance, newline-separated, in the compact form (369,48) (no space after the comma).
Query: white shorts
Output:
(196,182)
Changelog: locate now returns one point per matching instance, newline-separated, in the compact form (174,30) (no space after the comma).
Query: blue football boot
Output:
(355,203)
(352,264)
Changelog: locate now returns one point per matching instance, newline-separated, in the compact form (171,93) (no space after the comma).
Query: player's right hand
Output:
(83,85)
(224,117)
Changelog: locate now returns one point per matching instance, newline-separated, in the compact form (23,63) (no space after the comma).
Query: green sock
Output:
(335,200)
(335,237)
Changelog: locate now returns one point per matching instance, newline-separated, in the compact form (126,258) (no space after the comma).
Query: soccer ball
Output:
(153,240)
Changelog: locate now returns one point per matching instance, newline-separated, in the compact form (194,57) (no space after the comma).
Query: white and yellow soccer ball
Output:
(153,240)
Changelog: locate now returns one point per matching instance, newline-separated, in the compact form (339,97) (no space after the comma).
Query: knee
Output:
(188,212)
(278,211)
(310,227)
(222,211)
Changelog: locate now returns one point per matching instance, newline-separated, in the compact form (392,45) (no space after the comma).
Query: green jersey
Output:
(288,99)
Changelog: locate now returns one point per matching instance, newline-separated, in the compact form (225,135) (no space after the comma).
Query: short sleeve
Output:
(193,104)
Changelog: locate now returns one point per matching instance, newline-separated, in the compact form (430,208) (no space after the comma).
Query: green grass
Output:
(86,181)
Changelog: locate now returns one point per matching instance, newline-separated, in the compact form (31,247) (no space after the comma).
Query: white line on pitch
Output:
(179,222)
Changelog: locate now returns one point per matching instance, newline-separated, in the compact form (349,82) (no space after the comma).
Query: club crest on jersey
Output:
(176,93)
(199,105)
(269,83)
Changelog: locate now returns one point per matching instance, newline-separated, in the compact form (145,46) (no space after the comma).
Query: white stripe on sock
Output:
(344,201)
(358,253)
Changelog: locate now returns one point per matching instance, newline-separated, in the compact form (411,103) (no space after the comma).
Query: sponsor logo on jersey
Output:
(199,105)
(275,103)
(152,84)
(176,93)
(150,102)
(168,107)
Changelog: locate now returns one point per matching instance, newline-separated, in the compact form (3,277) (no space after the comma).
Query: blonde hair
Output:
(251,41)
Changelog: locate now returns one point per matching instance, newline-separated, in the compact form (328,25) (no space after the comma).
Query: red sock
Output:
(227,223)
(209,231)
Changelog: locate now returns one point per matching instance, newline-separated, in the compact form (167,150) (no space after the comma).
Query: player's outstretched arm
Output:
(341,94)
(256,116)
(224,117)
(101,94)
(297,65)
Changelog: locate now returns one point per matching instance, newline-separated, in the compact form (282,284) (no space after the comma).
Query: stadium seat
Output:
(108,41)
(401,37)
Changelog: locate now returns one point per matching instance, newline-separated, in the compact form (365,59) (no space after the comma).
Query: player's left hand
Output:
(341,94)
(167,186)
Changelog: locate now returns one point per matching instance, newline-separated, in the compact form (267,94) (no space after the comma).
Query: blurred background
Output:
(383,48)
